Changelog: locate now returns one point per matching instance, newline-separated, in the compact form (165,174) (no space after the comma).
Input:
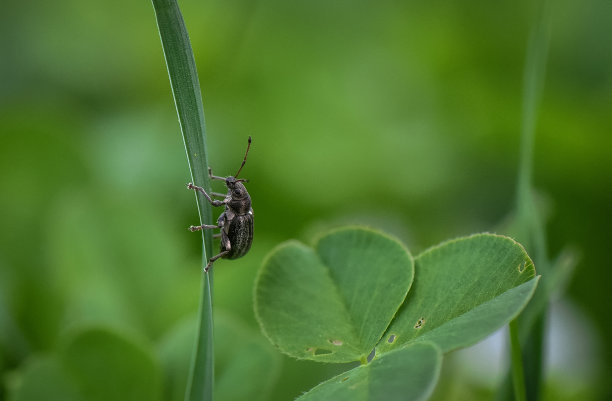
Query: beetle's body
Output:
(240,230)
(236,222)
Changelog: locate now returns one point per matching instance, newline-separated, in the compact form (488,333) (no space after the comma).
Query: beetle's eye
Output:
(236,192)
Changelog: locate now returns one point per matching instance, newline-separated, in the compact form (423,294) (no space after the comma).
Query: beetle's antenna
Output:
(245,156)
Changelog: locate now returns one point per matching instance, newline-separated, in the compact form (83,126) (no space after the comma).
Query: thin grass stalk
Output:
(188,100)
(518,375)
(531,225)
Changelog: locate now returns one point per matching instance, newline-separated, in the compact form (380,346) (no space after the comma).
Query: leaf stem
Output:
(201,376)
(518,375)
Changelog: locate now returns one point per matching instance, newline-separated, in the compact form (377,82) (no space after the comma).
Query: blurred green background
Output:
(404,116)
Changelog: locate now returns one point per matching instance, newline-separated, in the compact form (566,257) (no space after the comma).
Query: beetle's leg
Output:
(220,223)
(217,235)
(202,227)
(214,177)
(226,245)
(210,262)
(218,194)
(213,202)
(221,220)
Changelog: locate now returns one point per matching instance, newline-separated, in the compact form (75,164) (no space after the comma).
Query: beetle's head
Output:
(236,187)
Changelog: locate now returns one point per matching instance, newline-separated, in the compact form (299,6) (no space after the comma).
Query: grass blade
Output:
(530,223)
(518,375)
(188,99)
(527,377)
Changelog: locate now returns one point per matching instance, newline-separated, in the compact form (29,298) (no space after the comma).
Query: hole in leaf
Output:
(521,267)
(337,343)
(372,355)
(322,351)
(420,323)
(391,339)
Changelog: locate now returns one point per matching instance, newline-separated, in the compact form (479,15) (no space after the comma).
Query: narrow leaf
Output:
(188,99)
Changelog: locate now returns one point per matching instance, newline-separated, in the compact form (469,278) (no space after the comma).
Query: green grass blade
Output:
(201,375)
(188,99)
(530,224)
(531,230)
(518,376)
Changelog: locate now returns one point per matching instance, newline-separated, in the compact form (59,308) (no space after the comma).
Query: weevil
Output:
(236,222)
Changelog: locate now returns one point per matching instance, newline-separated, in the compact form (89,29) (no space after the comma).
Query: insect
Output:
(236,222)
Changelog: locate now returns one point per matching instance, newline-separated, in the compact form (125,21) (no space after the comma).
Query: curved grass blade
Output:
(188,99)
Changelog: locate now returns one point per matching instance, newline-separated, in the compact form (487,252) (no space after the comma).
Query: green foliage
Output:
(95,365)
(45,379)
(244,357)
(464,290)
(407,374)
(361,112)
(130,372)
(333,302)
(240,352)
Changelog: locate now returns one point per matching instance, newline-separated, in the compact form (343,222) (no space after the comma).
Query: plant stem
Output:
(531,225)
(530,231)
(201,377)
(188,100)
(518,376)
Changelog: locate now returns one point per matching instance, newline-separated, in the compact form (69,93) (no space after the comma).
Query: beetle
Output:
(236,222)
